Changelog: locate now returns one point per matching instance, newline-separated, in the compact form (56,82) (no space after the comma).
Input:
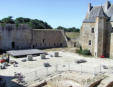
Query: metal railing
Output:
(42,74)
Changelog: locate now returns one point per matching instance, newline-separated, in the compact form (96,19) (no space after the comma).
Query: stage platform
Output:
(17,53)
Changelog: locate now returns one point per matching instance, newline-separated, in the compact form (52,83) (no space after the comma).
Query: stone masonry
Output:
(13,37)
(96,31)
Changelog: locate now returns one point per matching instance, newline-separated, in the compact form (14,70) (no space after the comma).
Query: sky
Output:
(66,13)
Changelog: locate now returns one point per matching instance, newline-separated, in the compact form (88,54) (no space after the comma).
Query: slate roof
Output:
(99,11)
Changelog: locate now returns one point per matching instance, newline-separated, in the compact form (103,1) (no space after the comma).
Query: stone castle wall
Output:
(15,37)
(111,40)
(108,37)
(100,37)
(48,38)
(111,46)
(86,35)
(23,37)
(99,17)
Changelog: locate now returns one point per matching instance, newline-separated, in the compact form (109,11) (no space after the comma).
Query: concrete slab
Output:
(17,53)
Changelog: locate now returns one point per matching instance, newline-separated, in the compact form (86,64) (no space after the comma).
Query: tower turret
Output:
(100,33)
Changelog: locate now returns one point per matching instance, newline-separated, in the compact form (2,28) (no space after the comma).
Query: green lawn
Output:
(73,35)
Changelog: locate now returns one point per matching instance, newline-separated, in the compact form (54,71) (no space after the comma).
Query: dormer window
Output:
(92,30)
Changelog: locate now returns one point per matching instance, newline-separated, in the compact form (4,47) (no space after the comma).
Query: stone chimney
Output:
(107,5)
(89,7)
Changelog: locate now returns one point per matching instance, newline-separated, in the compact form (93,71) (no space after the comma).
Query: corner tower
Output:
(100,28)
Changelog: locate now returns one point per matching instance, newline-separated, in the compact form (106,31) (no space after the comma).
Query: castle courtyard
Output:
(52,43)
(35,71)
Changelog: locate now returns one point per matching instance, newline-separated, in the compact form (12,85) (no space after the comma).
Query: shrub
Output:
(86,52)
(83,52)
(79,50)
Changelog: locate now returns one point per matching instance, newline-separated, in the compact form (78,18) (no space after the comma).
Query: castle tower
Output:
(100,33)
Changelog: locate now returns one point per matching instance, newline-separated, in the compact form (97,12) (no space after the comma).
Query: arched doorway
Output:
(13,45)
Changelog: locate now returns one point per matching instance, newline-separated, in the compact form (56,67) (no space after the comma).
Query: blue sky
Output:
(67,13)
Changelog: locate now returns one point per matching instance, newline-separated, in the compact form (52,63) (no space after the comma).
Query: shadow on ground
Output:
(6,81)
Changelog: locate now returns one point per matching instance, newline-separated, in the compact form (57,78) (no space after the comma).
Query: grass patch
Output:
(73,35)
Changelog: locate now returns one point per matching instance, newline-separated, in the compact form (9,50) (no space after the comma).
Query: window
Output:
(92,30)
(89,42)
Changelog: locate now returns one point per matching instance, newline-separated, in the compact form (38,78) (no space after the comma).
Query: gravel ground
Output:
(66,61)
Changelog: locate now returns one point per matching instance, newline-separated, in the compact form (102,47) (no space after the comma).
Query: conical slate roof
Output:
(96,11)
(101,13)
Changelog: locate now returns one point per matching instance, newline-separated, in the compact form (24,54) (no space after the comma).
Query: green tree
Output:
(34,23)
(61,28)
(22,20)
(38,24)
(8,20)
(72,29)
